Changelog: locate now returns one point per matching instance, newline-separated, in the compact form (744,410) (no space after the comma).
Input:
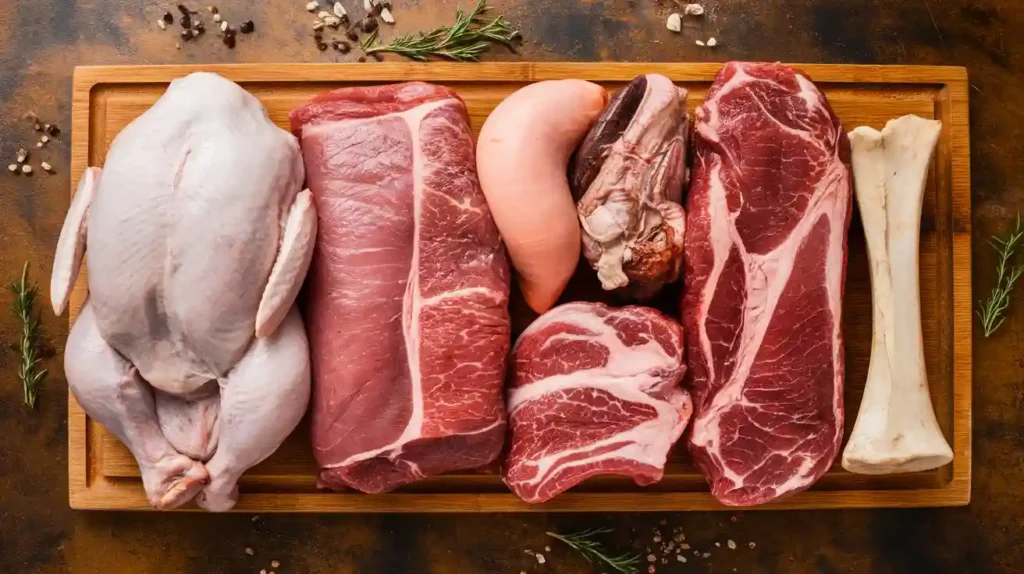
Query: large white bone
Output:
(896,430)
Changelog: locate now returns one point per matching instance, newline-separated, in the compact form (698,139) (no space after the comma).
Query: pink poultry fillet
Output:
(189,348)
(408,294)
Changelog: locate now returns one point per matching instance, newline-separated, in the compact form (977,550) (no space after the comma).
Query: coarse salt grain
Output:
(652,558)
(312,6)
(46,166)
(731,544)
(161,24)
(540,558)
(700,43)
(657,538)
(681,558)
(712,42)
(249,551)
(693,10)
(674,22)
(275,564)
(751,545)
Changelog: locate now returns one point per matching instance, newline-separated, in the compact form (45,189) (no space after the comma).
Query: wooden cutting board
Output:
(103,474)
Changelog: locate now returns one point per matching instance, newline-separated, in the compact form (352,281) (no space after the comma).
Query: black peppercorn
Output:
(368,25)
(247,27)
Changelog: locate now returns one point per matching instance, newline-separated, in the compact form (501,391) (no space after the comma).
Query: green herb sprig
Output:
(992,311)
(24,308)
(584,543)
(464,41)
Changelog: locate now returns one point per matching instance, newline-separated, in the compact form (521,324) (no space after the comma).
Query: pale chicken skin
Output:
(189,348)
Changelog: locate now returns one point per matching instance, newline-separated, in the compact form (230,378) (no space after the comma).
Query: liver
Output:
(45,39)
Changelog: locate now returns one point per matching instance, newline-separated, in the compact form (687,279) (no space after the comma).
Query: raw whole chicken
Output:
(189,348)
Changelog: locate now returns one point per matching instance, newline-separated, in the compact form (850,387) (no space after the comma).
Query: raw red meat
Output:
(765,253)
(595,390)
(408,291)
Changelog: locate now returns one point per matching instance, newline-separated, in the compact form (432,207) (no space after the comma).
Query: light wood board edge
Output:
(957,90)
(87,76)
(80,464)
(88,490)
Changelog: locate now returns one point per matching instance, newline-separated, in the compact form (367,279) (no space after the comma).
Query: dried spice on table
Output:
(992,311)
(31,375)
(591,549)
(466,40)
(192,25)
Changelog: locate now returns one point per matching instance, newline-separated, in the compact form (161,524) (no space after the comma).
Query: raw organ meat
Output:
(767,217)
(628,176)
(408,292)
(595,390)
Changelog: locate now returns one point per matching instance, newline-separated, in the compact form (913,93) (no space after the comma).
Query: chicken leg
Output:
(262,401)
(112,392)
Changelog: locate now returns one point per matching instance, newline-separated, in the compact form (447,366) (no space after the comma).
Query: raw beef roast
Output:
(765,258)
(407,303)
(595,390)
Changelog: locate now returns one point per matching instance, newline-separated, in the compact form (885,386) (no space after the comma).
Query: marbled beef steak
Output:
(408,293)
(765,262)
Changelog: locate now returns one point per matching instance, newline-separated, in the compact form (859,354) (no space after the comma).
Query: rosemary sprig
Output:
(992,310)
(584,543)
(466,40)
(24,308)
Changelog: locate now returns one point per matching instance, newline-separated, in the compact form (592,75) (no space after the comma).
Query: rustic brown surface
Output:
(103,474)
(42,40)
